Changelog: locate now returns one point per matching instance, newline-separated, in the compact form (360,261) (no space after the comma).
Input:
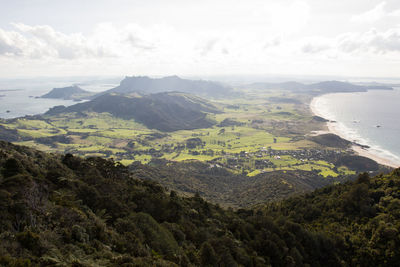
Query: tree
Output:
(207,255)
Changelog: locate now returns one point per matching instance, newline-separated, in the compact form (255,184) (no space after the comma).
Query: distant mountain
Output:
(336,86)
(68,93)
(285,86)
(321,87)
(146,85)
(163,111)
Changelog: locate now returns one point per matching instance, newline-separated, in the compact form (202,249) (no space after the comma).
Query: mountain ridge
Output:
(162,111)
(147,85)
(322,87)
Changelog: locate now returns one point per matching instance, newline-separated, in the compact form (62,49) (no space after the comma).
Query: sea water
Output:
(369,118)
(20,97)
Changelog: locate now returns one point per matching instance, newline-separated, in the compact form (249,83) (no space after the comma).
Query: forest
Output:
(63,210)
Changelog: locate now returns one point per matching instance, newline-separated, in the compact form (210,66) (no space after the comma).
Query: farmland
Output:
(253,134)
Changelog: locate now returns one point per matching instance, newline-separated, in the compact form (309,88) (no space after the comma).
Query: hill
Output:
(336,86)
(162,111)
(68,93)
(362,218)
(64,210)
(294,86)
(331,140)
(146,85)
(218,185)
(320,87)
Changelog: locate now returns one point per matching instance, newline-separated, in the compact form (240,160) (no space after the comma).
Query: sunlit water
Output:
(369,118)
(18,97)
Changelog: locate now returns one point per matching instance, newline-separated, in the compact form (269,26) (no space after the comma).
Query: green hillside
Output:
(67,211)
(362,218)
(163,111)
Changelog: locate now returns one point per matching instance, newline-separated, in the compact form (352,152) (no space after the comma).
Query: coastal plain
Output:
(238,146)
(254,133)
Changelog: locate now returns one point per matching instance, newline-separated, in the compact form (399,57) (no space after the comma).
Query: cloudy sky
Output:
(192,37)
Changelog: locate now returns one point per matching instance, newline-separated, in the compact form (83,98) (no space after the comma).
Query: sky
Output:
(354,38)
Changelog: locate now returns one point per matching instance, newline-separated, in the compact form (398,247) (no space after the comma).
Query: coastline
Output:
(360,150)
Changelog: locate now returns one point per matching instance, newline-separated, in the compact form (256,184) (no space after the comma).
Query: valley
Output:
(258,140)
(250,135)
(199,133)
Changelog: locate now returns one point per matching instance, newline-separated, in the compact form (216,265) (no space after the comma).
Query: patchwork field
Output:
(254,134)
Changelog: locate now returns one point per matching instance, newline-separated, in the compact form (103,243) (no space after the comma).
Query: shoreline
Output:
(359,149)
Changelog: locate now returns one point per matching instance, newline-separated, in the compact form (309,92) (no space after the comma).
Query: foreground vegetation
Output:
(68,211)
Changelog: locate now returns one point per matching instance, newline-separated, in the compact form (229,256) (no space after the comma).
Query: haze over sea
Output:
(18,97)
(369,118)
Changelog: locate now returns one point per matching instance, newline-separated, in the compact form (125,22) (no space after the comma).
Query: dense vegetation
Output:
(362,218)
(330,140)
(218,185)
(67,211)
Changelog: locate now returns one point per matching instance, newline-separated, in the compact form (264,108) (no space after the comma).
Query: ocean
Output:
(369,118)
(18,97)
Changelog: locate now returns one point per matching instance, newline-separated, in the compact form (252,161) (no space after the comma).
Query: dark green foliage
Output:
(65,210)
(330,140)
(234,190)
(362,218)
(357,163)
(229,122)
(30,241)
(193,143)
(207,255)
(12,167)
(10,135)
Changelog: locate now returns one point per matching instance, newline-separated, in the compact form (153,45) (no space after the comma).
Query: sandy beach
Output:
(365,152)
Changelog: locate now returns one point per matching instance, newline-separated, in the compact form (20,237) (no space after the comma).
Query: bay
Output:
(369,118)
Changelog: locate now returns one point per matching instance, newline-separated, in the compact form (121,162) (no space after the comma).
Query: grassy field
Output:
(256,125)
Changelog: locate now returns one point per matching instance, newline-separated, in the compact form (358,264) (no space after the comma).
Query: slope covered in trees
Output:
(362,218)
(67,211)
(221,186)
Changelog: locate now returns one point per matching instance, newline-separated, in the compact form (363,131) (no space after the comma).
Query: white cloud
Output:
(315,45)
(379,12)
(49,42)
(356,44)
(373,15)
(161,49)
(371,41)
(282,18)
(9,43)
